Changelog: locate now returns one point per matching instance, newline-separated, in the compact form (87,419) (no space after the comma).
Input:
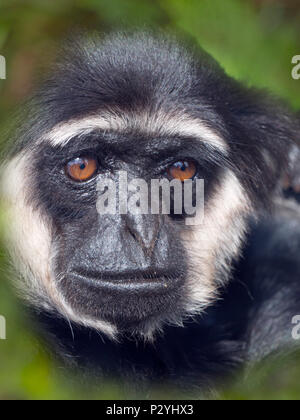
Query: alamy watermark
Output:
(2,328)
(296,68)
(2,67)
(296,329)
(159,196)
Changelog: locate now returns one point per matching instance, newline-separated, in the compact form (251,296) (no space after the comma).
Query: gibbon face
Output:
(146,107)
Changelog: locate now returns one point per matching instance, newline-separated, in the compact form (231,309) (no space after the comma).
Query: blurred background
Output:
(254,40)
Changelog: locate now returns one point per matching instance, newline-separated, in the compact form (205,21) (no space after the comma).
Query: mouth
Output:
(140,281)
(126,299)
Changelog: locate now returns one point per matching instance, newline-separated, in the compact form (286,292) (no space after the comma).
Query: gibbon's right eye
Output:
(81,169)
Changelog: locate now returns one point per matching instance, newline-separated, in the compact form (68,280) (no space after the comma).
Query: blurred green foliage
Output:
(254,40)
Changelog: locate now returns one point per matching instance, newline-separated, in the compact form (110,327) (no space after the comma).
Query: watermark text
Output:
(2,67)
(159,196)
(296,329)
(2,328)
(296,68)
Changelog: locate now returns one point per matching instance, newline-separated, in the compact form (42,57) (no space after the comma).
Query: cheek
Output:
(63,201)
(212,245)
(29,238)
(27,233)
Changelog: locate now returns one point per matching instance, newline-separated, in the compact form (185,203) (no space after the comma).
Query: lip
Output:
(139,281)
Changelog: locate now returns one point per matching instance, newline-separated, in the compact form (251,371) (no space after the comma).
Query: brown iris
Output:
(183,170)
(81,169)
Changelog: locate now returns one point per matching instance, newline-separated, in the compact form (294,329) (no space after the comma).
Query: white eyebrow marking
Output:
(158,123)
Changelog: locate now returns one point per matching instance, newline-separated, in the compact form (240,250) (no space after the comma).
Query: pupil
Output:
(82,166)
(183,167)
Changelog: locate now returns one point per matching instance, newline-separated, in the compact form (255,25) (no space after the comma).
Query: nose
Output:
(144,229)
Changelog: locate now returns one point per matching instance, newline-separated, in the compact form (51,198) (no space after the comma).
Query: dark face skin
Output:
(126,269)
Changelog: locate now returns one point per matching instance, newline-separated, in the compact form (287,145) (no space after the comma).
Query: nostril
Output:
(145,240)
(144,229)
(133,234)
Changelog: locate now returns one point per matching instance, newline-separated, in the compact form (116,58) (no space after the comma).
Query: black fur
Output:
(140,72)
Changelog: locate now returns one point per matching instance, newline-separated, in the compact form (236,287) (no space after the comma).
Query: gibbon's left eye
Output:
(81,169)
(183,170)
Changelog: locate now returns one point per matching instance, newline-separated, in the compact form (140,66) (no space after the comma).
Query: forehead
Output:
(158,124)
